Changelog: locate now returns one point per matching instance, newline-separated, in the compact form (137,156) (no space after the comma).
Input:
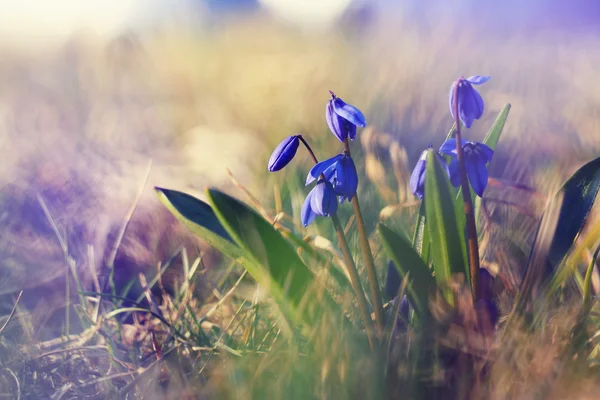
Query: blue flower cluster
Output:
(476,155)
(337,179)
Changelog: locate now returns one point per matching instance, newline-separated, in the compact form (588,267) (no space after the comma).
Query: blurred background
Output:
(91,91)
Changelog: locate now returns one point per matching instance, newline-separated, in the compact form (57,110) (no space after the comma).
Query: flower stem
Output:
(354,278)
(351,266)
(305,143)
(468,203)
(368,259)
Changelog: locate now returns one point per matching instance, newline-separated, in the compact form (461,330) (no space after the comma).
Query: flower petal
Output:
(450,100)
(449,147)
(478,79)
(454,173)
(417,178)
(307,215)
(350,129)
(320,168)
(324,201)
(330,172)
(346,178)
(477,173)
(349,112)
(484,151)
(468,106)
(335,122)
(283,153)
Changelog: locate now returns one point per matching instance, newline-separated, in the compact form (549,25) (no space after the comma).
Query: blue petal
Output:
(454,173)
(330,172)
(283,153)
(477,173)
(449,147)
(349,112)
(346,178)
(324,201)
(478,79)
(417,178)
(450,96)
(320,168)
(307,215)
(465,104)
(484,151)
(335,122)
(350,129)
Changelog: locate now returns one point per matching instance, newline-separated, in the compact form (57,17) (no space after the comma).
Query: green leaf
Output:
(321,260)
(562,222)
(491,140)
(493,135)
(200,218)
(275,264)
(447,240)
(421,235)
(408,262)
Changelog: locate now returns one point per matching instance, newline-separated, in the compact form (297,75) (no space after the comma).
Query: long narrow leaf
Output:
(200,218)
(561,224)
(447,251)
(408,262)
(276,266)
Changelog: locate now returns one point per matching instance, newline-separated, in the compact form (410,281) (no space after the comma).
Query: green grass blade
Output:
(447,240)
(408,262)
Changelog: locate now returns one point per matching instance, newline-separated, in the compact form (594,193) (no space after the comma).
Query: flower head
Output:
(477,155)
(470,103)
(343,118)
(417,178)
(283,153)
(341,172)
(320,201)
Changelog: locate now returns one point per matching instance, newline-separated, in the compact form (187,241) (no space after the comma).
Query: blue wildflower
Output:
(417,178)
(477,155)
(341,172)
(343,118)
(283,153)
(470,103)
(320,201)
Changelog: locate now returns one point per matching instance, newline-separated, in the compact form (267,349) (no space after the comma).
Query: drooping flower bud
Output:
(470,103)
(284,153)
(343,118)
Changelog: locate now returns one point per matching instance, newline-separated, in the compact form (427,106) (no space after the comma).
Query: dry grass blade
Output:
(12,312)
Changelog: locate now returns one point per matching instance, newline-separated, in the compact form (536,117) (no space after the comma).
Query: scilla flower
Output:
(477,155)
(470,103)
(341,172)
(320,201)
(283,153)
(417,178)
(343,118)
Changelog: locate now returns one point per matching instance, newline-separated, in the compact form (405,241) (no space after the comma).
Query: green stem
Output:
(368,259)
(468,203)
(354,278)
